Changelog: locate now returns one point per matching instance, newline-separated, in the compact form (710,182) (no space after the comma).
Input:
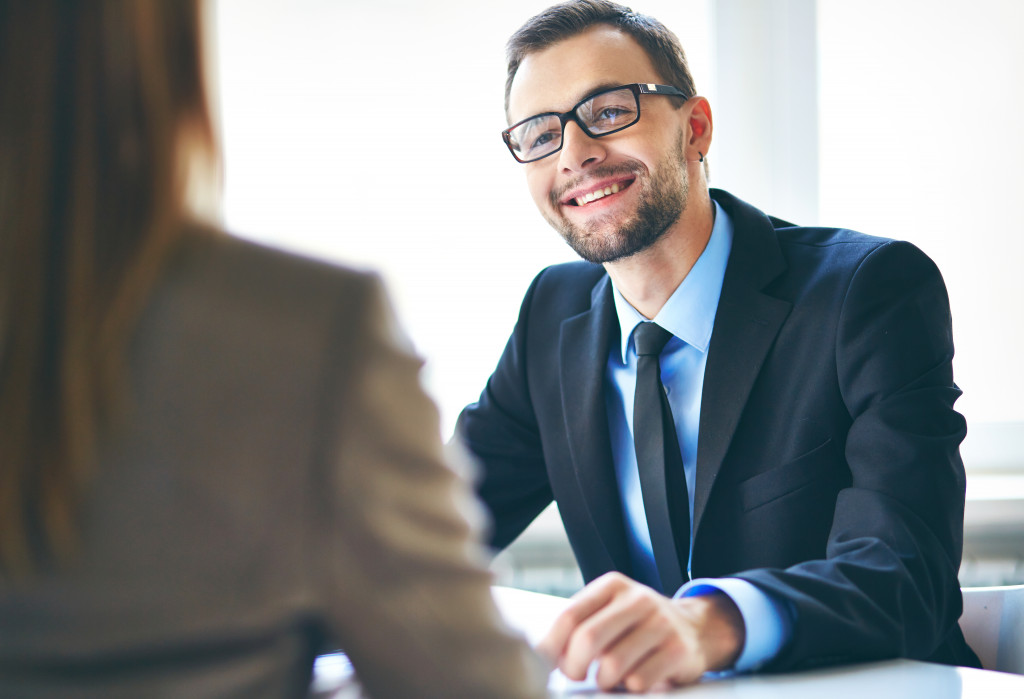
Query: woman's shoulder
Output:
(214,271)
(258,267)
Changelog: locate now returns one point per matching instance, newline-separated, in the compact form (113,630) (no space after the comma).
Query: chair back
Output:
(993,624)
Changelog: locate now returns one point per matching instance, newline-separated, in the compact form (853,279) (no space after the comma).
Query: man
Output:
(814,505)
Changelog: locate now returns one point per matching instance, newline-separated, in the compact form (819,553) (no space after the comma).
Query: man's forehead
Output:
(559,76)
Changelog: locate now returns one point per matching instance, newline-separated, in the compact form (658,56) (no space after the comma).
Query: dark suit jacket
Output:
(828,466)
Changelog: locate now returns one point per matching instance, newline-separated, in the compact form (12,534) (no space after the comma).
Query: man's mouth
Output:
(584,198)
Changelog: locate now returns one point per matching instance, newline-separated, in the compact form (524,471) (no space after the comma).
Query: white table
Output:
(533,613)
(893,678)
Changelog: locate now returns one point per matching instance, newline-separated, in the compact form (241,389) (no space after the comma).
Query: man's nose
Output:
(579,151)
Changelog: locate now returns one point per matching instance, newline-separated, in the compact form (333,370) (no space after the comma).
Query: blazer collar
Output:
(746,325)
(585,342)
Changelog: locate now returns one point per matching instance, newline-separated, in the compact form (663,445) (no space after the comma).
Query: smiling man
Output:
(747,425)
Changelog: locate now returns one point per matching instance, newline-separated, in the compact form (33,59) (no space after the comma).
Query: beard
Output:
(660,206)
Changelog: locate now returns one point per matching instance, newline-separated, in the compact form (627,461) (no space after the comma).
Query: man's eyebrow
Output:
(600,87)
(590,92)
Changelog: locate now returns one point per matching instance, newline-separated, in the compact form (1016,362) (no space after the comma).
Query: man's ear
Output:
(701,125)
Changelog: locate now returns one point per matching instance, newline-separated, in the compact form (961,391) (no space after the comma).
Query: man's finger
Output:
(631,607)
(630,650)
(667,665)
(585,603)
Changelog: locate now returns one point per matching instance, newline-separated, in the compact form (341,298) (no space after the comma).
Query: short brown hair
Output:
(568,19)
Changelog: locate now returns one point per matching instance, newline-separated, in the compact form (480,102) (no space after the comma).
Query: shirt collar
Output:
(689,313)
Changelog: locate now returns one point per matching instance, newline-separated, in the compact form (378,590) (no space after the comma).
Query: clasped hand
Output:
(642,640)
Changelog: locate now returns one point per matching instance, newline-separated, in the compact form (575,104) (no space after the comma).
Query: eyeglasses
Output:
(601,114)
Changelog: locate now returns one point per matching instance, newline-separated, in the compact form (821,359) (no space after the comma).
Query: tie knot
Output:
(650,338)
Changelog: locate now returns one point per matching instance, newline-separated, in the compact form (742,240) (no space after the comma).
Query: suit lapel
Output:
(746,324)
(584,345)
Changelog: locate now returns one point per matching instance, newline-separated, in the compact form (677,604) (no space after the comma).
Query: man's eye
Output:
(611,115)
(543,139)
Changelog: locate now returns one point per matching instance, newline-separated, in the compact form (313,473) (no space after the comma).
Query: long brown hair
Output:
(103,114)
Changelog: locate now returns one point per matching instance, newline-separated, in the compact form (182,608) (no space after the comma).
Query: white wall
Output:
(766,116)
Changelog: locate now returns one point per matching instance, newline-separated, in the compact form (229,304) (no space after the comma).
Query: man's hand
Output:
(641,639)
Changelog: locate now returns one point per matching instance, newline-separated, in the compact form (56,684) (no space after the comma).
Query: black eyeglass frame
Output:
(564,117)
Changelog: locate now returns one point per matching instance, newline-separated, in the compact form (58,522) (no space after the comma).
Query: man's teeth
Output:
(597,194)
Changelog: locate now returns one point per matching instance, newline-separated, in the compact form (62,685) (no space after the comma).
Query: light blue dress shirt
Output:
(689,314)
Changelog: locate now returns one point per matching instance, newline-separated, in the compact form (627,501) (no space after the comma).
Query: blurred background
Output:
(897,118)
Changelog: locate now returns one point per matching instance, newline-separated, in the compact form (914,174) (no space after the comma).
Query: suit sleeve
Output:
(403,576)
(501,432)
(888,586)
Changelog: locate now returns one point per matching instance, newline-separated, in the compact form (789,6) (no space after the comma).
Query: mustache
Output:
(632,167)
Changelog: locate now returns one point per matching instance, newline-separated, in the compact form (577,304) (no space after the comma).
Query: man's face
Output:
(640,171)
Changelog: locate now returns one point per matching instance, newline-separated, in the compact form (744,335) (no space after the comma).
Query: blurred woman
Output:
(216,460)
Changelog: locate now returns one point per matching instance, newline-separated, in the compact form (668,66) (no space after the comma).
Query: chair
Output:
(993,624)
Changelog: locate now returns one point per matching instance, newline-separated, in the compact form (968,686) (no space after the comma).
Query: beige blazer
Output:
(274,489)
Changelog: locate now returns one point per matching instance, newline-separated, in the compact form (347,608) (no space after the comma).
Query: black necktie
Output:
(662,480)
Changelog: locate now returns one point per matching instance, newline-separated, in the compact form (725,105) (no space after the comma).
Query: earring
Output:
(701,156)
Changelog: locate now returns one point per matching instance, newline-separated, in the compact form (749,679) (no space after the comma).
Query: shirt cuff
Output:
(764,618)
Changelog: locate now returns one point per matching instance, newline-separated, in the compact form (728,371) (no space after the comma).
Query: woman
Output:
(215,460)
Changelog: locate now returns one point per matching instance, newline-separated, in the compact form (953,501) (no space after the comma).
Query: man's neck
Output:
(649,278)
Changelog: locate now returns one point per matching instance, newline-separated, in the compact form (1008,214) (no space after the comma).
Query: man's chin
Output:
(604,251)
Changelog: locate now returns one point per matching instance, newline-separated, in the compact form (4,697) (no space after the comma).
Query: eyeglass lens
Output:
(597,115)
